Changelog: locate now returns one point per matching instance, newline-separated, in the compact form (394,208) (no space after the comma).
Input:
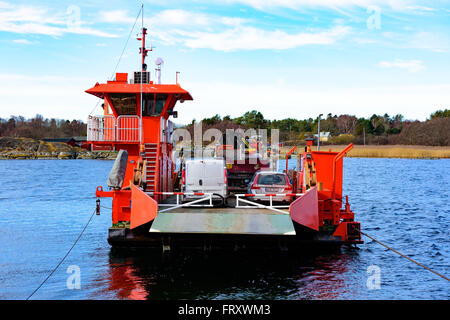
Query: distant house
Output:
(72,141)
(82,142)
(324,136)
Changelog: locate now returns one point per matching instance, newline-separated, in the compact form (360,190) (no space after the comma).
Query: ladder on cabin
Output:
(151,153)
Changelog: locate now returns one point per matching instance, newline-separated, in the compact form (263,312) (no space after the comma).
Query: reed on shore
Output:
(386,151)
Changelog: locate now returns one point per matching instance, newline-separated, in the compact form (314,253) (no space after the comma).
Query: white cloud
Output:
(437,41)
(116,16)
(29,19)
(410,65)
(180,17)
(170,17)
(174,26)
(296,4)
(4,5)
(223,33)
(250,38)
(433,41)
(420,8)
(23,41)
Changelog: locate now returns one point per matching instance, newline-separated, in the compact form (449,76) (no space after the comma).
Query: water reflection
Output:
(124,281)
(141,274)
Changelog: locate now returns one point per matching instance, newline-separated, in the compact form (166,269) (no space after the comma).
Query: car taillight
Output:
(183,176)
(255,187)
(288,187)
(225,176)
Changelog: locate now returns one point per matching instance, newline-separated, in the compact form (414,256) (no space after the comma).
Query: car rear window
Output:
(272,179)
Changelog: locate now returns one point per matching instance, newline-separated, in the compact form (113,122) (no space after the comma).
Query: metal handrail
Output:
(108,128)
(259,206)
(101,128)
(190,204)
(128,128)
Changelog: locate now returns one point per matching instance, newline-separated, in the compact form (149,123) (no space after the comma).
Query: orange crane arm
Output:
(287,157)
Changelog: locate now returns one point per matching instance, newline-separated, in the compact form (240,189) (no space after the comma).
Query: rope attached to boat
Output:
(404,256)
(62,260)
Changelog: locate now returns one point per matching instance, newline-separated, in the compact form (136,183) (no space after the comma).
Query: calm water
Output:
(44,204)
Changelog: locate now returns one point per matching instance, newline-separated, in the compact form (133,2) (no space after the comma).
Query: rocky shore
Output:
(27,148)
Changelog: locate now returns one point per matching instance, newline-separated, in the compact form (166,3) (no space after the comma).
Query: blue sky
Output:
(284,58)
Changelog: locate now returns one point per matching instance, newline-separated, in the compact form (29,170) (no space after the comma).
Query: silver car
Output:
(270,182)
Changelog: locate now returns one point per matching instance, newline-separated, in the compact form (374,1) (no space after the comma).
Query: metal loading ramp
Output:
(223,221)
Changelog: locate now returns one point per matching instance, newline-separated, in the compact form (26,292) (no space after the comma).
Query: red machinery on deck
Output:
(135,118)
(320,208)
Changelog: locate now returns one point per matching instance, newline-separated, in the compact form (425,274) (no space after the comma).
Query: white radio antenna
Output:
(159,62)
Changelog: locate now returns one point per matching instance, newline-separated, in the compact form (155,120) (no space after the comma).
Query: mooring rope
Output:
(62,260)
(404,256)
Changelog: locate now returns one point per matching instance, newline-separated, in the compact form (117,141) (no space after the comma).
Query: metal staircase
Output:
(151,157)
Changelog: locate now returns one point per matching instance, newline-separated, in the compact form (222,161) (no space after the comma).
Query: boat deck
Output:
(222,220)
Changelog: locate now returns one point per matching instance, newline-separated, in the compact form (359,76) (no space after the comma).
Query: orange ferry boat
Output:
(146,211)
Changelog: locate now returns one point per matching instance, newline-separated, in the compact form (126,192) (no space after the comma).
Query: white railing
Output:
(193,203)
(252,204)
(101,128)
(107,128)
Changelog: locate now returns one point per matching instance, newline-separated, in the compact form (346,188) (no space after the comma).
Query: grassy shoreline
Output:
(27,148)
(387,151)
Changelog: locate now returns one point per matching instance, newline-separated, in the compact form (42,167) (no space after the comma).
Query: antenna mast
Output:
(143,50)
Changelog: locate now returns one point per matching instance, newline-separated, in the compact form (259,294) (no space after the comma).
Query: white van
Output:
(204,175)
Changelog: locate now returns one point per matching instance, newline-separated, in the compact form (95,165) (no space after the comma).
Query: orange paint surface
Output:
(305,210)
(99,90)
(143,208)
(324,173)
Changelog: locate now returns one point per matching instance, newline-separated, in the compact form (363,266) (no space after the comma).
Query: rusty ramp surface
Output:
(223,221)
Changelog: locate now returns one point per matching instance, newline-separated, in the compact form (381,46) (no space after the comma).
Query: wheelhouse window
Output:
(153,104)
(124,103)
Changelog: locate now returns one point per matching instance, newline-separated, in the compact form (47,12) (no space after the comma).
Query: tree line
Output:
(40,128)
(378,129)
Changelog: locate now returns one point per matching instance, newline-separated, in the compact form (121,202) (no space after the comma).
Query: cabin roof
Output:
(99,90)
